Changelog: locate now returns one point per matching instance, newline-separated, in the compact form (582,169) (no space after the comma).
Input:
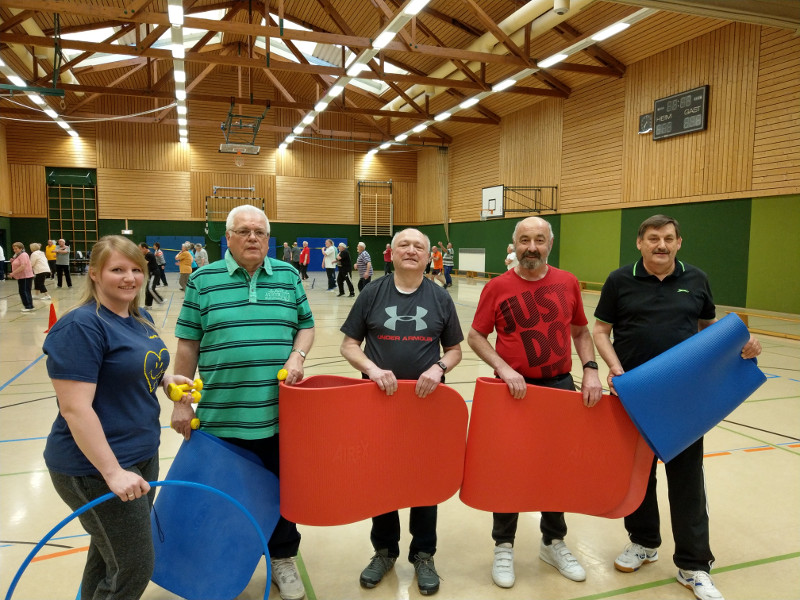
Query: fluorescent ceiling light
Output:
(183,132)
(335,90)
(184,140)
(37,99)
(180,76)
(606,33)
(505,84)
(469,102)
(289,139)
(63,124)
(308,119)
(298,130)
(384,146)
(420,128)
(402,137)
(442,116)
(414,7)
(383,39)
(356,69)
(18,81)
(321,105)
(550,61)
(373,151)
(181,109)
(180,94)
(182,122)
(282,146)
(175,13)
(51,113)
(73,133)
(178,51)
(2,64)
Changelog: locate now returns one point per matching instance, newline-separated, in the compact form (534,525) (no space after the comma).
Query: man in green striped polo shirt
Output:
(244,318)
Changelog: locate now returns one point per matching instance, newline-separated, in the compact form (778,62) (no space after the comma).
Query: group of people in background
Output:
(31,270)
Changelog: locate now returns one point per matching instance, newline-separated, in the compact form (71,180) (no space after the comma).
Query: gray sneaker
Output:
(427,577)
(380,564)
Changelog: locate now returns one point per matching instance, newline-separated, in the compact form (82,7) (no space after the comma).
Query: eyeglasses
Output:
(246,233)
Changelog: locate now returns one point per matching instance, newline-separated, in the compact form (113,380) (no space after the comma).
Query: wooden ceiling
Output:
(451,50)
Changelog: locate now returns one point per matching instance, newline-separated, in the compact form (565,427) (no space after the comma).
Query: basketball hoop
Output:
(485,214)
(239,160)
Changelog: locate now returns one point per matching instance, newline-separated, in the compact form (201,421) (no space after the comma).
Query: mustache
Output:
(531,255)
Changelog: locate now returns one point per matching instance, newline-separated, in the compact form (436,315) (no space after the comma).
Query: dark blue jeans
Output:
(447,270)
(24,286)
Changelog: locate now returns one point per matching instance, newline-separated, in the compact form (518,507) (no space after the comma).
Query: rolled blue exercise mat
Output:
(680,395)
(204,547)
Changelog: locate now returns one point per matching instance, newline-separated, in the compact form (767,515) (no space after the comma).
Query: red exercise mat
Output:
(350,452)
(548,452)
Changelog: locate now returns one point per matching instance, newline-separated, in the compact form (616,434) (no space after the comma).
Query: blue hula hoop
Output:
(110,495)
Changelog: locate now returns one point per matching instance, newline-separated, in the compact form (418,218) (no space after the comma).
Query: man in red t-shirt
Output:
(536,310)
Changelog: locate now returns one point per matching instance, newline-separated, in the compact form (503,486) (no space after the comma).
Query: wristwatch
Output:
(590,365)
(300,352)
(442,365)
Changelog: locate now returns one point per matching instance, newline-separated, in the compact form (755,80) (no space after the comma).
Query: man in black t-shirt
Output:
(653,305)
(345,264)
(153,275)
(404,318)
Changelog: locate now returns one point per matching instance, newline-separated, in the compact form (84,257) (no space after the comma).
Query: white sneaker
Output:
(286,577)
(558,555)
(45,297)
(503,565)
(28,309)
(634,556)
(700,583)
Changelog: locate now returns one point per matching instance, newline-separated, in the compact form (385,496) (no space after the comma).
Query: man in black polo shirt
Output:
(652,305)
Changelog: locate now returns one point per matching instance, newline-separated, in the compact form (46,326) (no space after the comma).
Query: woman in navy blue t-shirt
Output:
(106,362)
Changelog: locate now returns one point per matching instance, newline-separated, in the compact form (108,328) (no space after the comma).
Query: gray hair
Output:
(245,208)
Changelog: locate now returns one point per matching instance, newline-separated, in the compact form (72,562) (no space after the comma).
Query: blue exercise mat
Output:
(204,548)
(677,397)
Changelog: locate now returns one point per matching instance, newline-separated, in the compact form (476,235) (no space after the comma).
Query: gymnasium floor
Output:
(752,470)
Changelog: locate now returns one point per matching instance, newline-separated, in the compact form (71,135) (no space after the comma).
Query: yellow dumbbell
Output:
(194,423)
(282,374)
(176,391)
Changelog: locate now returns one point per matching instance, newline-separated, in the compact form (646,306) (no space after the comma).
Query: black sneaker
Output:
(427,577)
(380,564)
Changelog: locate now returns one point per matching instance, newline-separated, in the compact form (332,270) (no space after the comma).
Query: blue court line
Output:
(7,383)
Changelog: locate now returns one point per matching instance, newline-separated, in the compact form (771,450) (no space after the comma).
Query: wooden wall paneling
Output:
(429,205)
(314,200)
(28,191)
(45,143)
(474,164)
(5,175)
(592,147)
(776,146)
(146,195)
(530,145)
(404,200)
(203,183)
(319,158)
(703,164)
(141,147)
(397,165)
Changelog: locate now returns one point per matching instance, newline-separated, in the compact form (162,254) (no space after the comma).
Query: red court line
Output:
(57,554)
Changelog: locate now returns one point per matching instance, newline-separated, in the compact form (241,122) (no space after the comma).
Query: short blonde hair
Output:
(34,247)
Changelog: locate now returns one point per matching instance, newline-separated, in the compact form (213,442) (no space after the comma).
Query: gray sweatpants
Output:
(121,557)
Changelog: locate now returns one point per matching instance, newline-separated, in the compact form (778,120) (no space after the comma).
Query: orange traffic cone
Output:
(53,317)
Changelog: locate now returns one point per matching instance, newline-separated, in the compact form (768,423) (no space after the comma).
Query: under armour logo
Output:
(391,322)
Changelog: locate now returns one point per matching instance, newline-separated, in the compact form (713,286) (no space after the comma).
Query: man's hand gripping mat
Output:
(680,395)
(205,547)
(350,452)
(548,452)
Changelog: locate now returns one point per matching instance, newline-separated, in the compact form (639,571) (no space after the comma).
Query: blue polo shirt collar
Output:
(640,271)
